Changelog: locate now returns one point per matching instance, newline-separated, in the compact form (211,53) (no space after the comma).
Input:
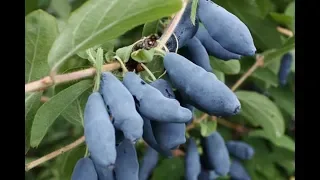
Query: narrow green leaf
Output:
(227,67)
(124,53)
(282,18)
(51,110)
(61,7)
(258,108)
(150,28)
(220,75)
(290,11)
(155,66)
(40,33)
(74,112)
(283,141)
(32,104)
(194,11)
(284,98)
(98,21)
(276,54)
(143,55)
(265,6)
(169,169)
(207,127)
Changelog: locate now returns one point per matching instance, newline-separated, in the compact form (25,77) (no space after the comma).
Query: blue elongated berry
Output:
(192,161)
(104,173)
(216,153)
(84,170)
(240,149)
(237,171)
(149,162)
(201,88)
(152,104)
(127,165)
(167,135)
(196,52)
(184,31)
(121,106)
(99,132)
(213,47)
(208,175)
(149,138)
(285,67)
(227,29)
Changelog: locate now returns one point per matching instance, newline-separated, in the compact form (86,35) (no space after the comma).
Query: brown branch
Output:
(285,31)
(63,78)
(258,63)
(175,21)
(54,154)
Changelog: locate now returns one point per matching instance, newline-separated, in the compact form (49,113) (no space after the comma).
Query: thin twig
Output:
(54,154)
(175,21)
(285,31)
(63,78)
(258,63)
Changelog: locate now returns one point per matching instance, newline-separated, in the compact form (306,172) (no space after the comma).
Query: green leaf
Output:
(194,11)
(32,104)
(282,18)
(155,66)
(98,21)
(143,55)
(169,169)
(150,28)
(262,29)
(220,75)
(207,127)
(61,7)
(290,11)
(258,108)
(284,158)
(69,161)
(40,33)
(74,112)
(283,141)
(265,6)
(124,53)
(284,98)
(276,54)
(227,67)
(51,110)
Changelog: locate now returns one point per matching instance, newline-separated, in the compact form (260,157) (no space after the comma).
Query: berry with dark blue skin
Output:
(118,100)
(149,162)
(238,172)
(149,138)
(184,31)
(196,52)
(127,165)
(84,170)
(104,173)
(167,135)
(285,67)
(192,161)
(208,175)
(216,153)
(201,88)
(240,149)
(99,132)
(152,104)
(213,47)
(227,29)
